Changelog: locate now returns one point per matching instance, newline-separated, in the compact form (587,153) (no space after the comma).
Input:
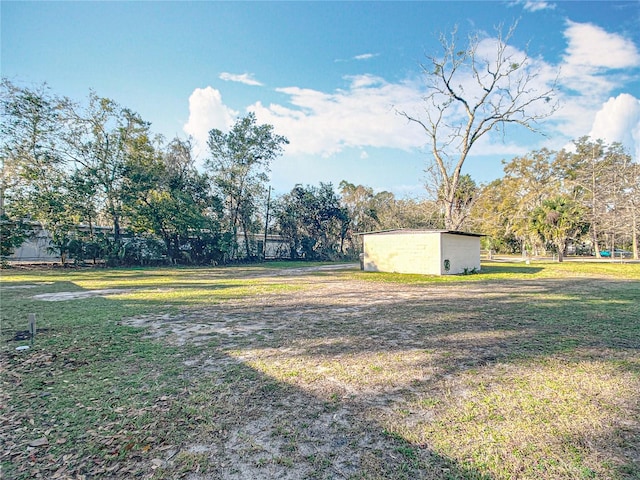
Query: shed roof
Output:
(409,231)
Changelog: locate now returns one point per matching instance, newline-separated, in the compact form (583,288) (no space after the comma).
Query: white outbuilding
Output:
(427,252)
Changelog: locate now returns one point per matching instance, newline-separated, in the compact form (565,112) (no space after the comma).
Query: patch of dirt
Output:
(65,296)
(341,303)
(194,328)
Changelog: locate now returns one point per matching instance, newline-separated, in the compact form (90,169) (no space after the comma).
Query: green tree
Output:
(101,139)
(239,164)
(557,220)
(313,221)
(34,182)
(168,197)
(13,233)
(364,209)
(469,95)
(505,206)
(465,196)
(620,213)
(360,203)
(29,131)
(494,215)
(55,213)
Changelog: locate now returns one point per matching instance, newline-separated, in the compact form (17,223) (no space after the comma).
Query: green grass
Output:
(518,271)
(521,371)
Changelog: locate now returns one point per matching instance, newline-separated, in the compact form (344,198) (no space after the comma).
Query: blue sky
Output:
(328,75)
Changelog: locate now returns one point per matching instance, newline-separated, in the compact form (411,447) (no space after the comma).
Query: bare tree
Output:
(471,92)
(601,177)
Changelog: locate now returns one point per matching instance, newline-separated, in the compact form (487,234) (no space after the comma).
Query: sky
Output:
(329,76)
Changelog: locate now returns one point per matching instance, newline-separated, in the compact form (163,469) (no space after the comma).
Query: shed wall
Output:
(402,253)
(463,252)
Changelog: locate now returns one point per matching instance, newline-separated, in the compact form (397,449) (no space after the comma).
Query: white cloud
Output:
(574,117)
(537,5)
(365,56)
(619,121)
(496,145)
(595,64)
(592,47)
(363,81)
(363,115)
(207,111)
(361,57)
(593,52)
(246,78)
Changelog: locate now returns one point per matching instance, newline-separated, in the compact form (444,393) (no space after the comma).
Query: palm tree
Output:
(557,220)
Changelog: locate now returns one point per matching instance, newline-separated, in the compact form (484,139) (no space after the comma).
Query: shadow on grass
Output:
(224,418)
(510,269)
(258,427)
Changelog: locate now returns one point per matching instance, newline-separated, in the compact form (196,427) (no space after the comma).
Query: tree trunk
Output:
(1,198)
(450,198)
(116,229)
(247,247)
(634,235)
(176,248)
(560,247)
(246,241)
(594,239)
(594,214)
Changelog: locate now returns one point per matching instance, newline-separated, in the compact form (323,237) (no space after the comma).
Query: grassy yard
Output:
(289,372)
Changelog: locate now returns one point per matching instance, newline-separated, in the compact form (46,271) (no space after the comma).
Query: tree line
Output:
(586,197)
(75,168)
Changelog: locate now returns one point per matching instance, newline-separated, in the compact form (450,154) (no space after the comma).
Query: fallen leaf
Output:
(39,442)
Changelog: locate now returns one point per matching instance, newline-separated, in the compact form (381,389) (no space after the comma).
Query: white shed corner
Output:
(426,252)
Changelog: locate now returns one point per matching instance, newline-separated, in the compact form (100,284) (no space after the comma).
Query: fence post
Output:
(32,326)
